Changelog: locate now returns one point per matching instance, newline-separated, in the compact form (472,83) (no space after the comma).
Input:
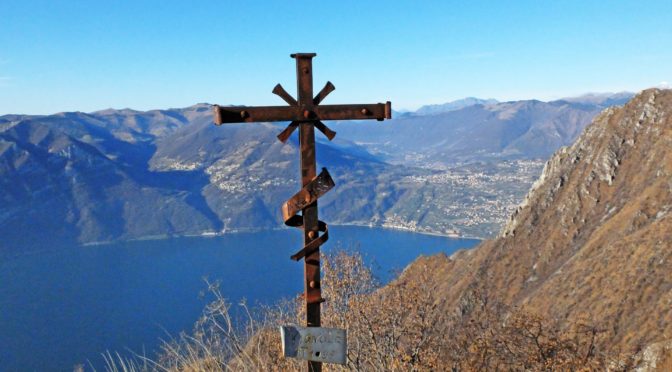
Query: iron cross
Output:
(306,113)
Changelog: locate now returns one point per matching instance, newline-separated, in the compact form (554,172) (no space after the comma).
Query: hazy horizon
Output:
(402,110)
(61,57)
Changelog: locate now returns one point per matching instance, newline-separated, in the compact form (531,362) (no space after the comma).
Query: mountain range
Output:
(590,244)
(124,174)
(527,129)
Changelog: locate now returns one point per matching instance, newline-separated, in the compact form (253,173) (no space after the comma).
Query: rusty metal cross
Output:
(306,113)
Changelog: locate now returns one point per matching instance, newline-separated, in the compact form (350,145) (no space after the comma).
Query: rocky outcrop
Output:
(593,238)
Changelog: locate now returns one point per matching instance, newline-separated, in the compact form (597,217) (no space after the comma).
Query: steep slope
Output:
(70,181)
(593,239)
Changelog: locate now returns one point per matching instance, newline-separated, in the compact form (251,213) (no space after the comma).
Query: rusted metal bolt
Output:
(365,111)
(311,234)
(312,284)
(307,198)
(306,70)
(244,114)
(306,114)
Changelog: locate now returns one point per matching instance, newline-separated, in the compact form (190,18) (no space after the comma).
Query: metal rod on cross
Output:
(306,113)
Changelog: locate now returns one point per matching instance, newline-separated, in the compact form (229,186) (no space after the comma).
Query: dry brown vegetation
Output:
(394,328)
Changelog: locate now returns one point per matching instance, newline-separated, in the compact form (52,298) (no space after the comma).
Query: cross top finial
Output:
(305,85)
(300,55)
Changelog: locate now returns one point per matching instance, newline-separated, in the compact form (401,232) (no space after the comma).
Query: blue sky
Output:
(86,55)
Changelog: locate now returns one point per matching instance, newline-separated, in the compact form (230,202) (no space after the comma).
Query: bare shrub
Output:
(221,343)
(393,328)
(398,327)
(526,341)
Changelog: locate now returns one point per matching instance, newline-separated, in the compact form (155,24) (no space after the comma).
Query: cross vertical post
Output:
(306,113)
(311,266)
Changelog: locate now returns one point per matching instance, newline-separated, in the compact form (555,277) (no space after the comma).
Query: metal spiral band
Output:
(309,194)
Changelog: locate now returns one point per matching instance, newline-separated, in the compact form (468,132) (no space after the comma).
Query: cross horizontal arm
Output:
(378,111)
(244,114)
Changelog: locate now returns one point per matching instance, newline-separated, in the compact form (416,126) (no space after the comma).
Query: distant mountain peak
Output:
(113,111)
(453,105)
(603,99)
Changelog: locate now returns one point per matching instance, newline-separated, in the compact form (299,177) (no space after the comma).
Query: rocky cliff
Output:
(593,238)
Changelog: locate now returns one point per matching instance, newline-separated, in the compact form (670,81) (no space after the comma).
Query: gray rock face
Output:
(604,161)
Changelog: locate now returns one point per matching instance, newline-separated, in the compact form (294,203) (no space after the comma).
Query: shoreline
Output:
(432,233)
(212,234)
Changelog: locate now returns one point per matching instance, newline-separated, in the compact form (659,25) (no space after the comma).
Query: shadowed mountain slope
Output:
(123,174)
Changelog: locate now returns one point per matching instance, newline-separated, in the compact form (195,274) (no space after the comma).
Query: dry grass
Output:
(219,341)
(395,328)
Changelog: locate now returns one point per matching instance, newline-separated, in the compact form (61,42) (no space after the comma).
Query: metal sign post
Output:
(306,113)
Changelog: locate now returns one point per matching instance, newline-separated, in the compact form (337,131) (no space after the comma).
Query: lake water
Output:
(59,309)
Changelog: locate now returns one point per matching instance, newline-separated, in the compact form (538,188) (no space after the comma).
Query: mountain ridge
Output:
(127,174)
(524,129)
(591,242)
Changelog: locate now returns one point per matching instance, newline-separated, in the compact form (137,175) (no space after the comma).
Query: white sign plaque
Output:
(327,345)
